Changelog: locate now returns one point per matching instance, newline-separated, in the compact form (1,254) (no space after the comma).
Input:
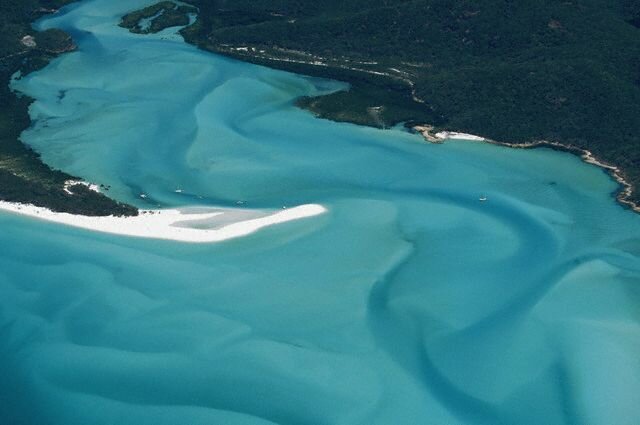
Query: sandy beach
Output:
(442,136)
(626,189)
(454,135)
(194,225)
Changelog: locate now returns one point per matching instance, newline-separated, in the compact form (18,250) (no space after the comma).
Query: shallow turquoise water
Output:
(410,302)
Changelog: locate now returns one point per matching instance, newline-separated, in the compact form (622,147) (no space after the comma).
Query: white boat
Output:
(482,198)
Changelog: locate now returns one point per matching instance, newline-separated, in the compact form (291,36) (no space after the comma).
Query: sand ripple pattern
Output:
(409,302)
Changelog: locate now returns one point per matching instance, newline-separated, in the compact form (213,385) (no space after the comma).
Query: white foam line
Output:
(170,224)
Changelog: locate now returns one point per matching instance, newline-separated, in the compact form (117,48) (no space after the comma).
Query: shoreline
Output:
(185,224)
(625,191)
(24,177)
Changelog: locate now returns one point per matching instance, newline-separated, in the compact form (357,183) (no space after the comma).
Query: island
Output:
(157,17)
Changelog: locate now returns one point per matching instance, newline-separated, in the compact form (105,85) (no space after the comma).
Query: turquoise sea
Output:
(409,302)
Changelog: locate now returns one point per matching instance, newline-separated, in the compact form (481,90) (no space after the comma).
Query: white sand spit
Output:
(443,135)
(196,225)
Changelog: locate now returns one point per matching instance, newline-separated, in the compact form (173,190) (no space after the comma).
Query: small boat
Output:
(482,198)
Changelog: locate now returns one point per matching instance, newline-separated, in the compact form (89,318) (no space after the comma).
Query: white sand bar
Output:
(196,225)
(443,135)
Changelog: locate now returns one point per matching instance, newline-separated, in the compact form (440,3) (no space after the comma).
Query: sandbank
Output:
(195,225)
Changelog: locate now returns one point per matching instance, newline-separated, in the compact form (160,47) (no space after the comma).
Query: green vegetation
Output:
(372,100)
(512,71)
(23,176)
(157,17)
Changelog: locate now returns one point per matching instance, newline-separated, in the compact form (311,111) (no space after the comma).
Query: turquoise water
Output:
(410,302)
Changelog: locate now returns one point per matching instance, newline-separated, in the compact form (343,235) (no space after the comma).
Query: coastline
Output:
(623,196)
(185,224)
(287,59)
(24,177)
